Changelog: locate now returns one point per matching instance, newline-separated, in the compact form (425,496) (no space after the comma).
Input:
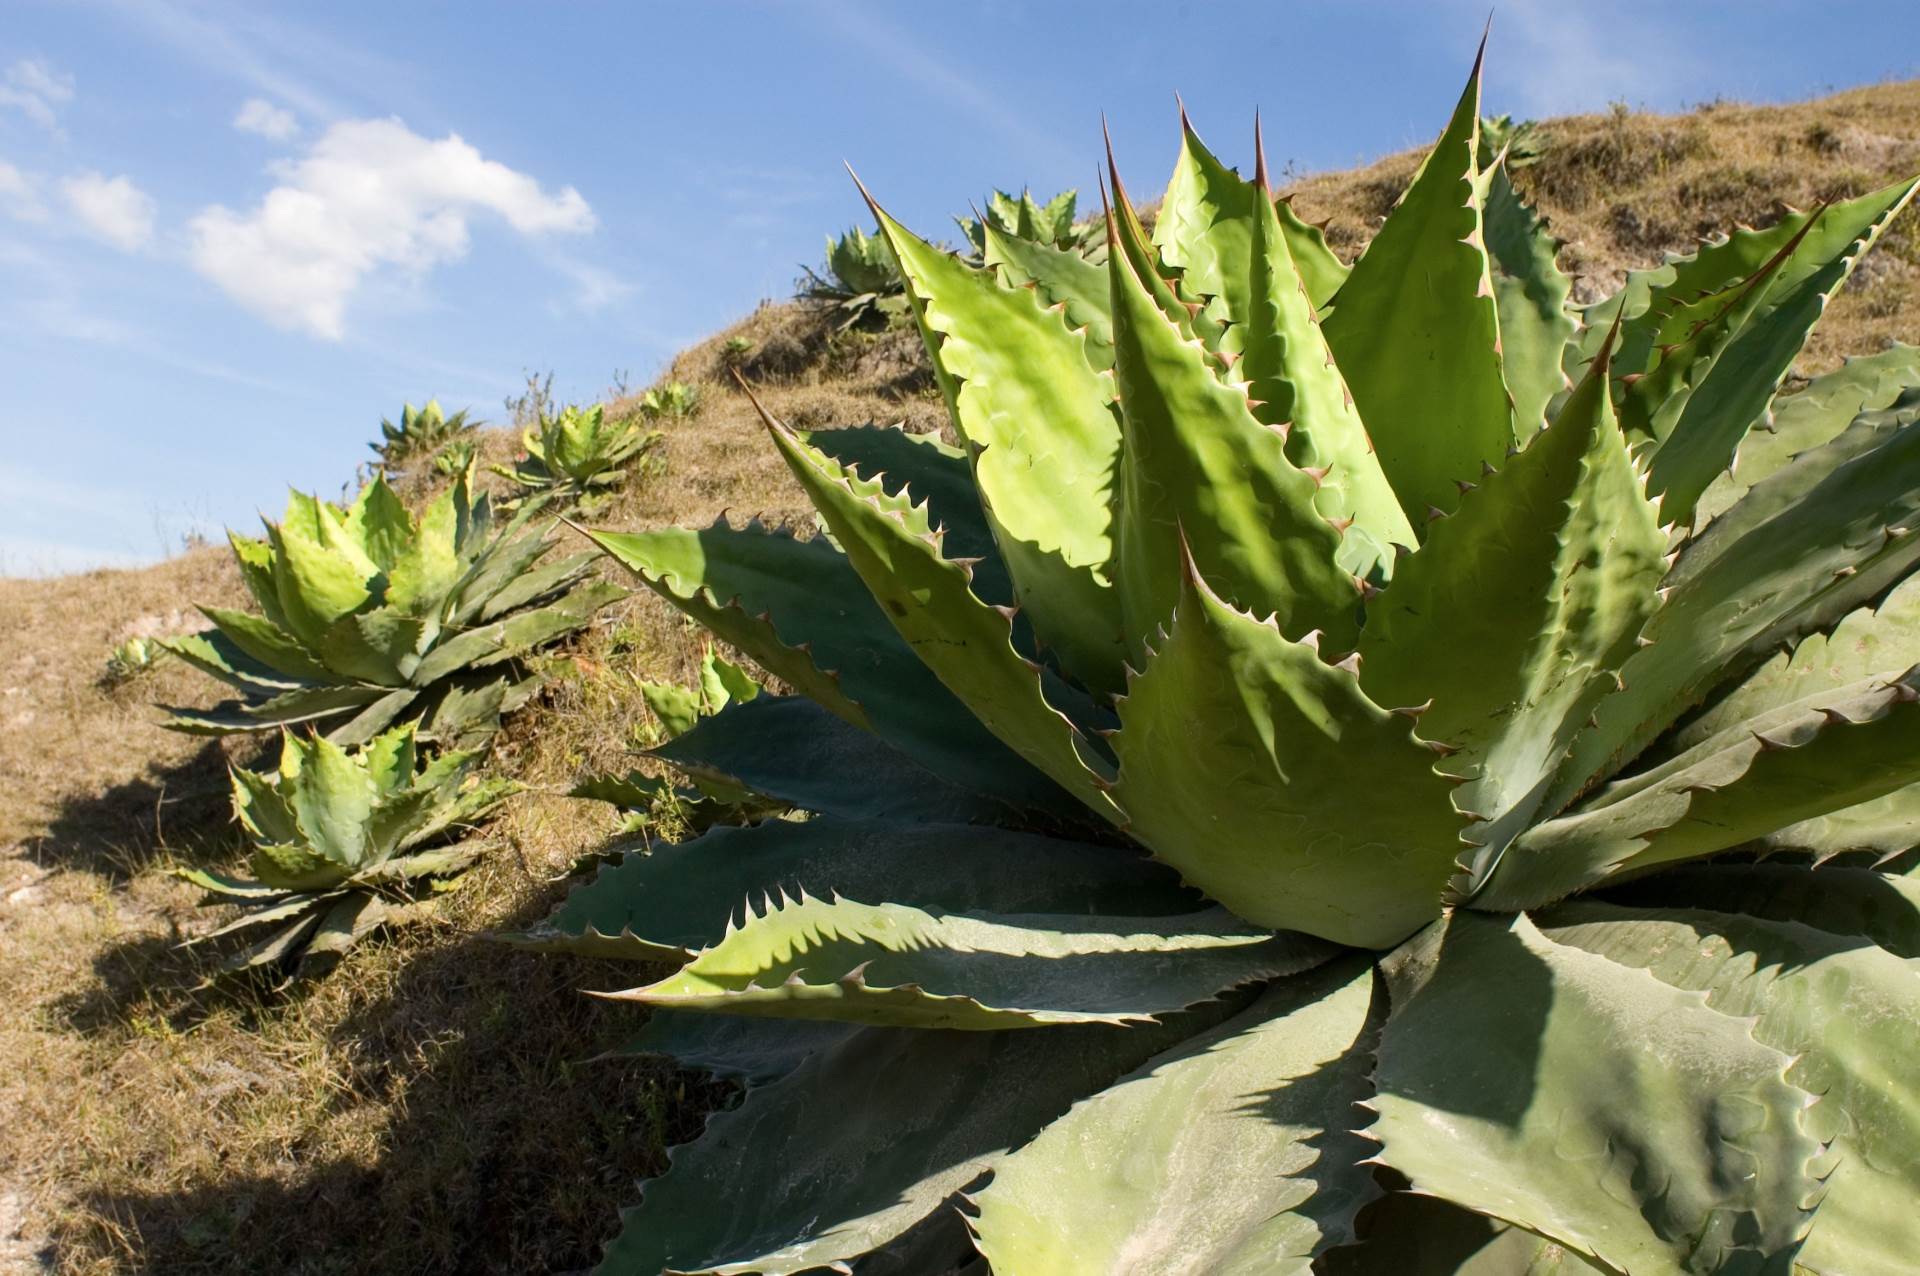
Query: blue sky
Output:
(233,236)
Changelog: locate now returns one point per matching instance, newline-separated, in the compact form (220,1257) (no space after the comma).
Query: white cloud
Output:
(1552,58)
(111,207)
(370,194)
(274,123)
(35,89)
(20,194)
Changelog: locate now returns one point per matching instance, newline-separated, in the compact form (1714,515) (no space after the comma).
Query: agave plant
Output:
(1050,223)
(579,453)
(1288,806)
(129,660)
(344,841)
(421,434)
(371,616)
(670,399)
(862,282)
(649,800)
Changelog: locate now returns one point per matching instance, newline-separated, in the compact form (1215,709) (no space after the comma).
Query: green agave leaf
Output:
(790,749)
(1590,1103)
(1416,328)
(226,886)
(1127,238)
(1734,393)
(278,908)
(1852,903)
(295,867)
(276,947)
(504,569)
(755,1051)
(428,565)
(935,473)
(1827,752)
(927,597)
(895,965)
(213,652)
(1062,278)
(535,586)
(1321,271)
(1297,387)
(1204,229)
(1040,429)
(374,717)
(1198,462)
(1271,782)
(377,646)
(1512,617)
(1229,1154)
(379,524)
(254,558)
(861,1142)
(1883,639)
(676,900)
(288,709)
(1532,297)
(391,758)
(677,708)
(331,796)
(268,645)
(512,637)
(1408,1234)
(262,808)
(1848,1015)
(1816,415)
(1808,544)
(801,611)
(346,922)
(319,573)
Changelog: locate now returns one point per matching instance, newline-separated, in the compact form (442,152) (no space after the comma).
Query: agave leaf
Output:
(966,643)
(530,586)
(1271,782)
(1734,393)
(1532,297)
(268,645)
(228,887)
(1040,429)
(895,965)
(332,799)
(1816,415)
(1228,1154)
(426,567)
(1590,1103)
(790,749)
(379,524)
(754,1051)
(276,947)
(1205,229)
(864,1140)
(278,909)
(1808,544)
(376,717)
(321,576)
(254,558)
(1198,461)
(262,808)
(1416,328)
(1297,387)
(1320,271)
(676,900)
(1127,238)
(1883,639)
(467,712)
(676,707)
(391,759)
(1512,617)
(1408,1234)
(800,610)
(494,641)
(934,473)
(376,646)
(1824,753)
(441,861)
(1851,903)
(287,709)
(1062,278)
(213,652)
(505,568)
(294,867)
(1848,1015)
(346,922)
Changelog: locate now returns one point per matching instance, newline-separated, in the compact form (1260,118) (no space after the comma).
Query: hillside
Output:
(430,1106)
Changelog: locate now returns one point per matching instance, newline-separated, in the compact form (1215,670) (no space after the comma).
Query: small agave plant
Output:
(370,616)
(1306,787)
(672,399)
(421,434)
(345,841)
(580,453)
(862,281)
(1021,215)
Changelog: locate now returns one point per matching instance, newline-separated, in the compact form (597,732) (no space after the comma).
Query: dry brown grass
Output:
(428,1107)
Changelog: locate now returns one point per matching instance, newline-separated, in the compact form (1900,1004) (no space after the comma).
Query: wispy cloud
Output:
(36,90)
(897,50)
(261,117)
(113,208)
(20,194)
(1548,57)
(370,196)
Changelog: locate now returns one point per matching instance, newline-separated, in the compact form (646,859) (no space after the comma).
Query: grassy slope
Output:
(427,1107)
